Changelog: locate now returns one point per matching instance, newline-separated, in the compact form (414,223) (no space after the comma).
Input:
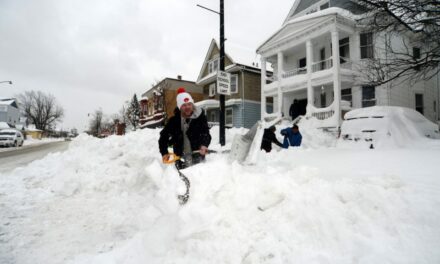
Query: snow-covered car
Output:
(10,138)
(387,125)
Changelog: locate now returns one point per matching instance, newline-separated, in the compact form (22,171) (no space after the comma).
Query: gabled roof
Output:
(208,54)
(292,10)
(303,23)
(9,101)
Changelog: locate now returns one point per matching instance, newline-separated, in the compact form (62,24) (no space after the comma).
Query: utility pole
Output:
(222,66)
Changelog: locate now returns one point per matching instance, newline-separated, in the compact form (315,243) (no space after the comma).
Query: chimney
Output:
(179,77)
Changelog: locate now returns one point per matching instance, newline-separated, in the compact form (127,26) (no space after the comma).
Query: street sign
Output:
(223,83)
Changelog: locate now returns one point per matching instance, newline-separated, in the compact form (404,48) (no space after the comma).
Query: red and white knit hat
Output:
(183,97)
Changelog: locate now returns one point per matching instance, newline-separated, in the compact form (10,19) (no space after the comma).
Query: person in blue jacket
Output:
(292,137)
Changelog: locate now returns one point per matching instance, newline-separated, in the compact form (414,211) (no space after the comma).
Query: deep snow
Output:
(112,201)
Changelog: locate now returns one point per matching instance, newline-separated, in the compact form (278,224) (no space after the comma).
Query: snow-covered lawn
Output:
(112,201)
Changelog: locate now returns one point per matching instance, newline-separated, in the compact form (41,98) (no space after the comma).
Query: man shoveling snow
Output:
(188,132)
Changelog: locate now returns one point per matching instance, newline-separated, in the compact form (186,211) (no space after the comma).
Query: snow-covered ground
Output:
(112,201)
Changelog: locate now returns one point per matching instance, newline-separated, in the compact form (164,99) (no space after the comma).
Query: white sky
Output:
(98,53)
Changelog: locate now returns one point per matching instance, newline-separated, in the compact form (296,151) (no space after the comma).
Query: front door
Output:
(302,106)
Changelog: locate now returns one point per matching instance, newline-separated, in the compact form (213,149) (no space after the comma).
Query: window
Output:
(416,56)
(212,116)
(435,107)
(322,58)
(213,65)
(324,6)
(368,96)
(344,49)
(419,103)
(228,116)
(367,51)
(346,95)
(234,83)
(212,89)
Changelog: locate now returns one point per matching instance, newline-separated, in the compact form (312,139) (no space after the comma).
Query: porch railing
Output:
(323,115)
(322,65)
(294,72)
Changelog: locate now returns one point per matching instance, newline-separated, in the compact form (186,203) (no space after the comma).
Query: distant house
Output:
(243,106)
(158,102)
(9,111)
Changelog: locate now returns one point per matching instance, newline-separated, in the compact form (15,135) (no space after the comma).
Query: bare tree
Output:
(40,109)
(413,23)
(96,123)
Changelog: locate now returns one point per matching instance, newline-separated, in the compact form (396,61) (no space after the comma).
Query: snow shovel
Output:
(183,198)
(245,148)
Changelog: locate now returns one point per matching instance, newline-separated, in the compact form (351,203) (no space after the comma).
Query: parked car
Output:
(10,138)
(387,126)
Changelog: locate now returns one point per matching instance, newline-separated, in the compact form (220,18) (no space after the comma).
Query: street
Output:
(20,157)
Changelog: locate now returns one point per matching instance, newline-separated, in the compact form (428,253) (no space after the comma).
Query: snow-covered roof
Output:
(210,49)
(7,102)
(4,125)
(332,11)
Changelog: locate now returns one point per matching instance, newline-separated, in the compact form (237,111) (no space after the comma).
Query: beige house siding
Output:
(169,88)
(252,87)
(215,54)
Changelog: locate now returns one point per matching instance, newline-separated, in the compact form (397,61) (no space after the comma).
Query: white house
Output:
(317,58)
(9,111)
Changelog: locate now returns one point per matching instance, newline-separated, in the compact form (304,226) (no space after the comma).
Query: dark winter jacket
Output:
(269,138)
(291,138)
(172,135)
(294,110)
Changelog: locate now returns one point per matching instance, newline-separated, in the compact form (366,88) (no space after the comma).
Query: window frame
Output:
(367,48)
(367,102)
(212,89)
(235,83)
(347,95)
(213,65)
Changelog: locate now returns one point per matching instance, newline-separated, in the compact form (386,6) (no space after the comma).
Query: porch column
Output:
(354,47)
(263,87)
(309,61)
(336,75)
(280,82)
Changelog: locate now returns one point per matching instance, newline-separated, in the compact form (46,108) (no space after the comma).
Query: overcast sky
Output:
(98,53)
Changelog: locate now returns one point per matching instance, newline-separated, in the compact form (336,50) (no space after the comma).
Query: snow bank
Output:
(112,201)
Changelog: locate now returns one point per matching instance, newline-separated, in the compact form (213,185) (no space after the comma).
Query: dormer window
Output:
(213,65)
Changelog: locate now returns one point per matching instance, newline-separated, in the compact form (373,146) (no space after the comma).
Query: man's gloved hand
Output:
(165,158)
(203,150)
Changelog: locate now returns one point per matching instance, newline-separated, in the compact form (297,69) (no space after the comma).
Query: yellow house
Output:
(34,133)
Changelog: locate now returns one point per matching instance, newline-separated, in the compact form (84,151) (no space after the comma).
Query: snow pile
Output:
(31,141)
(112,201)
(387,127)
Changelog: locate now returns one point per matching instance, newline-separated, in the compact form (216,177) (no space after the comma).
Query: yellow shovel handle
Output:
(171,158)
